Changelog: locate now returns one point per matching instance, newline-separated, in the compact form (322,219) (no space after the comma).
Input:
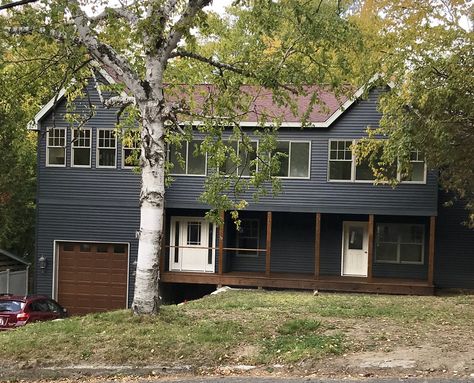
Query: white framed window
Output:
(400,243)
(417,171)
(247,159)
(131,149)
(187,160)
(247,237)
(81,148)
(343,166)
(56,147)
(106,148)
(296,160)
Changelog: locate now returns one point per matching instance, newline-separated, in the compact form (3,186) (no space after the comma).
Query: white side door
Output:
(192,242)
(355,249)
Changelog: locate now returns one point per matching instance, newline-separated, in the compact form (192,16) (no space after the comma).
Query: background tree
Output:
(426,50)
(152,47)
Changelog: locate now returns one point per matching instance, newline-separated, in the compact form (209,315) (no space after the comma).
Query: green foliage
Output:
(426,50)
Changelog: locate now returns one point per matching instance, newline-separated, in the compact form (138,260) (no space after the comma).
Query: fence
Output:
(14,282)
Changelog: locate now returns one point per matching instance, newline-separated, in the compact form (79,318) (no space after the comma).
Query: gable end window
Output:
(340,160)
(131,149)
(56,147)
(106,148)
(186,160)
(296,160)
(399,243)
(417,172)
(81,148)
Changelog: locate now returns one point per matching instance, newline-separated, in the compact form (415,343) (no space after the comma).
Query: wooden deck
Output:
(304,282)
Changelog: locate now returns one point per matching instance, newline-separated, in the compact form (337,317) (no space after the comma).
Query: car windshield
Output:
(11,306)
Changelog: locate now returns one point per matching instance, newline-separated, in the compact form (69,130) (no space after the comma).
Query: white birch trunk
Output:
(146,297)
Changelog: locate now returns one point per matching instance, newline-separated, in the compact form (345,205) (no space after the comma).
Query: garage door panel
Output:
(91,281)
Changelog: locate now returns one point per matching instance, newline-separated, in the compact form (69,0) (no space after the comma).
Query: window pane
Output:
(340,170)
(132,157)
(284,148)
(411,253)
(85,247)
(56,156)
(411,233)
(246,157)
(82,156)
(176,156)
(364,172)
(417,172)
(386,252)
(106,157)
(119,249)
(194,233)
(102,248)
(196,160)
(299,161)
(230,167)
(387,233)
(356,238)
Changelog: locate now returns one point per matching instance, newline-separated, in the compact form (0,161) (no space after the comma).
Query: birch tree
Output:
(150,47)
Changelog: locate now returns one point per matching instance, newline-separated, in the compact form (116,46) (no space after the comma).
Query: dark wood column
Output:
(431,250)
(317,247)
(268,252)
(370,247)
(163,245)
(221,243)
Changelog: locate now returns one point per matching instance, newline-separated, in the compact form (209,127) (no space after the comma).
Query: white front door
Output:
(355,249)
(192,244)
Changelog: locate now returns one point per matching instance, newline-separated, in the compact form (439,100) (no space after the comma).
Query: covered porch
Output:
(307,251)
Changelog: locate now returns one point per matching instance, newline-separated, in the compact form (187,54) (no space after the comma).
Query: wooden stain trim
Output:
(317,247)
(268,245)
(221,244)
(431,250)
(370,247)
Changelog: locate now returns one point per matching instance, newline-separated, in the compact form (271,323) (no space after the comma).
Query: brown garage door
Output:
(92,277)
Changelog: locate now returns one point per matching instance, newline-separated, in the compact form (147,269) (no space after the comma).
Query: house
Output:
(330,228)
(13,274)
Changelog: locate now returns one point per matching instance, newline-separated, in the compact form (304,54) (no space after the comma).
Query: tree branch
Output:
(16,4)
(181,26)
(119,12)
(120,101)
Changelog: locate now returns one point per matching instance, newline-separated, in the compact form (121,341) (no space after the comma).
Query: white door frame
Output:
(365,245)
(183,221)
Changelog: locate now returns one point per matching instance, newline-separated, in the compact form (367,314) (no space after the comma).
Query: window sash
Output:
(187,152)
(129,148)
(106,143)
(56,144)
(288,164)
(397,243)
(243,236)
(81,142)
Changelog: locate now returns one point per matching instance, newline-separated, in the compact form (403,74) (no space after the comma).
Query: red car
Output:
(17,310)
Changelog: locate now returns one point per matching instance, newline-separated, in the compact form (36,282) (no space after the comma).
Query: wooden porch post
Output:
(317,246)
(431,251)
(163,245)
(370,248)
(221,243)
(268,244)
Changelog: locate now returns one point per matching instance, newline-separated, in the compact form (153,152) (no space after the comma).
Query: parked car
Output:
(17,310)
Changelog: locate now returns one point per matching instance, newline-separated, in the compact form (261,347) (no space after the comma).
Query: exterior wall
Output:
(317,194)
(454,255)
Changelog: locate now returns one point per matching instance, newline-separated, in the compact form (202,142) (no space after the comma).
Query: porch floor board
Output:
(304,282)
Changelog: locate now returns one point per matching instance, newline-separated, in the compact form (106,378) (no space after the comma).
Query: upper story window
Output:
(247,163)
(131,149)
(81,148)
(399,243)
(187,159)
(106,148)
(56,147)
(417,171)
(296,160)
(343,166)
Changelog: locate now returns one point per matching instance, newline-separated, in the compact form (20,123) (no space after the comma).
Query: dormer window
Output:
(56,147)
(81,148)
(106,148)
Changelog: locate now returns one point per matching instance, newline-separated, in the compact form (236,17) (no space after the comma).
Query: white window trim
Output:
(354,165)
(185,174)
(90,148)
(289,160)
(97,158)
(398,261)
(48,130)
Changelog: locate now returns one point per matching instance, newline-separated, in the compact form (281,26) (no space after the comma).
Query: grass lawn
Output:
(244,327)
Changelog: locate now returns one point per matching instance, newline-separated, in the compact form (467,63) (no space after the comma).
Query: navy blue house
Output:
(330,228)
